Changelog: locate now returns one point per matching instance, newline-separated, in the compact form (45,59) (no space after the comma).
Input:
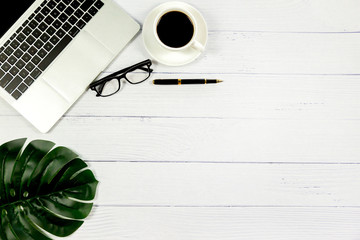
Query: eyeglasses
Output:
(111,84)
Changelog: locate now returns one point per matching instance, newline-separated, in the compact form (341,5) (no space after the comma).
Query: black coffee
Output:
(175,29)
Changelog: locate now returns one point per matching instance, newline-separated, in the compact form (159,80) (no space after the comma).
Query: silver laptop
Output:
(51,50)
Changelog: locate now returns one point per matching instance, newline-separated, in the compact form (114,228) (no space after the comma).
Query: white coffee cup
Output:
(166,53)
(193,43)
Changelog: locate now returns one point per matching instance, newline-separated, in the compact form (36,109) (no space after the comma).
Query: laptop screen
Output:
(10,13)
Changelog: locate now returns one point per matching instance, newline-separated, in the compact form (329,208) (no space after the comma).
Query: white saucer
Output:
(167,56)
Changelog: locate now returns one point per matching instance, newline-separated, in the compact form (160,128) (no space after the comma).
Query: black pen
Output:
(185,81)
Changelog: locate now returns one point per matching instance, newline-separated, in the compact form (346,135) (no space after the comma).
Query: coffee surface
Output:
(175,29)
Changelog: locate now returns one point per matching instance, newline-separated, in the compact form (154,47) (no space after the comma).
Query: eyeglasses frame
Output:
(102,82)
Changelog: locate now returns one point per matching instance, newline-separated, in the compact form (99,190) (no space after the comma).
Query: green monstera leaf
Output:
(44,191)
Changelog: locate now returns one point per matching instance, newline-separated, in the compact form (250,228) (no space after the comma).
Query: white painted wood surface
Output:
(271,153)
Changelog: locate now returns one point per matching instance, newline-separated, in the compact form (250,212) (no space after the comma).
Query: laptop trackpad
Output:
(76,67)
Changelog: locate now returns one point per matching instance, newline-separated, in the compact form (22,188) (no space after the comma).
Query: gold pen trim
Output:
(179,81)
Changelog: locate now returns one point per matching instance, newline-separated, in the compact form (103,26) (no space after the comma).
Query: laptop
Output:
(50,51)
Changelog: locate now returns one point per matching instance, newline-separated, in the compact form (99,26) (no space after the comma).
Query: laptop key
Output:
(99,4)
(39,17)
(24,46)
(78,13)
(33,24)
(93,11)
(57,24)
(26,57)
(21,37)
(12,60)
(20,64)
(42,53)
(60,33)
(87,17)
(48,46)
(49,20)
(6,67)
(72,20)
(66,26)
(55,52)
(8,51)
(30,40)
(55,13)
(23,73)
(27,31)
(16,94)
(5,80)
(61,7)
(51,4)
(36,33)
(69,10)
(74,31)
(29,80)
(54,40)
(14,44)
(45,11)
(14,70)
(13,84)
(50,30)
(18,53)
(35,60)
(32,51)
(87,4)
(19,30)
(35,73)
(80,24)
(2,73)
(13,36)
(75,4)
(3,57)
(22,88)
(44,37)
(25,23)
(43,26)
(29,66)
(38,44)
(63,17)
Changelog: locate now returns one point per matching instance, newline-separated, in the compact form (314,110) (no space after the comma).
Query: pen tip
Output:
(219,81)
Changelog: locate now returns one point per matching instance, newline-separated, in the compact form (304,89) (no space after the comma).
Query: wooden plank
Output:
(200,140)
(263,15)
(226,185)
(274,53)
(203,223)
(240,96)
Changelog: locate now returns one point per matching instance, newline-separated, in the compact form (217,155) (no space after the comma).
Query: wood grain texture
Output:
(239,96)
(200,139)
(227,185)
(268,53)
(204,223)
(264,15)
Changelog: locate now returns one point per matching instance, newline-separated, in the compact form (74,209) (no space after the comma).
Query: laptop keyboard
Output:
(40,39)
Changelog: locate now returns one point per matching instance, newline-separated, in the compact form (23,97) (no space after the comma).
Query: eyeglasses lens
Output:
(109,88)
(139,75)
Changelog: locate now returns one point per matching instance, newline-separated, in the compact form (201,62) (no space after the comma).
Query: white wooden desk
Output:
(271,153)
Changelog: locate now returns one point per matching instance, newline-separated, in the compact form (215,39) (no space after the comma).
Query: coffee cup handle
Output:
(198,46)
